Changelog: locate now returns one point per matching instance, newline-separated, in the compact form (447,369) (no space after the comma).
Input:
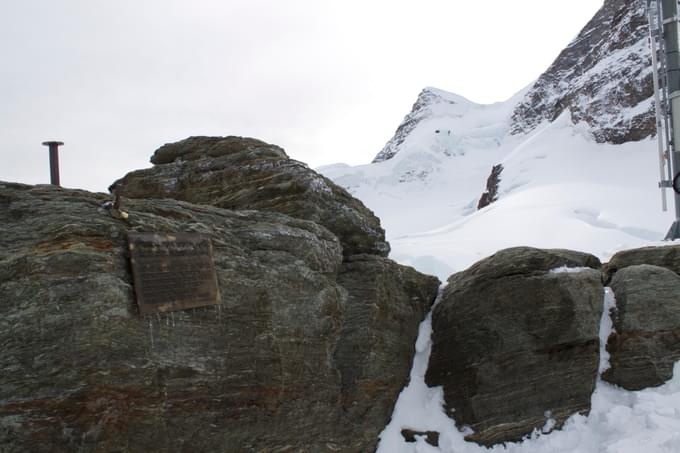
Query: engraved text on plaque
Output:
(172,271)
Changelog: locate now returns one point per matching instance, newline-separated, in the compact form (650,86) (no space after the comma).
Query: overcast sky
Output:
(328,80)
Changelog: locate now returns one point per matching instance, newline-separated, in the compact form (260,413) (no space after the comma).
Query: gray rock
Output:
(514,344)
(667,256)
(646,341)
(83,372)
(245,173)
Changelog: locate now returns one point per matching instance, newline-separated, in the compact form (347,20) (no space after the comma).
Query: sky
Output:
(327,80)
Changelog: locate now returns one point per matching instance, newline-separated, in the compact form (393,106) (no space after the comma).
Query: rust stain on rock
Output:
(96,243)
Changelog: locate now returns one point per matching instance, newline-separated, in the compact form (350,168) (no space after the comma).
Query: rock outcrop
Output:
(269,371)
(603,78)
(645,343)
(492,182)
(383,300)
(666,256)
(245,173)
(515,344)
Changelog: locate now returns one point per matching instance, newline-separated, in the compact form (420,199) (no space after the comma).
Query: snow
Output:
(558,189)
(568,270)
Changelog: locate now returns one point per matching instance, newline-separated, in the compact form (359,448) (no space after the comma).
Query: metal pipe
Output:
(54,161)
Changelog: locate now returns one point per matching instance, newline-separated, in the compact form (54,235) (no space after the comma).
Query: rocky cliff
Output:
(602,78)
(307,352)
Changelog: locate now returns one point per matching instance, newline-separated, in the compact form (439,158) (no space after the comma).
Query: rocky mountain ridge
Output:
(603,78)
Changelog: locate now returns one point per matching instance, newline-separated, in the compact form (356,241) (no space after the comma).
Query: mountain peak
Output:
(424,107)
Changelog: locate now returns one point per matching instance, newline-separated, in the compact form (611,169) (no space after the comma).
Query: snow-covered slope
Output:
(438,171)
(559,189)
(579,161)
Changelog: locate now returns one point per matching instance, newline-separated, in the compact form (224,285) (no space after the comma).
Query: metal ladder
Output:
(664,24)
(661,105)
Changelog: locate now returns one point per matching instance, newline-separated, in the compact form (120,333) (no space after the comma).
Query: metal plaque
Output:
(172,272)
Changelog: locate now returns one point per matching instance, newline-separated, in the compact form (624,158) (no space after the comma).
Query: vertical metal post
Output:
(54,161)
(654,32)
(672,46)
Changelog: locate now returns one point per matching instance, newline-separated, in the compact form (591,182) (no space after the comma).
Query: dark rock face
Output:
(598,79)
(431,437)
(82,371)
(384,298)
(515,344)
(245,173)
(492,183)
(646,341)
(421,109)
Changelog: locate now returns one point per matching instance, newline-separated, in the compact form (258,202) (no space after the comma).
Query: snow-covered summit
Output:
(446,122)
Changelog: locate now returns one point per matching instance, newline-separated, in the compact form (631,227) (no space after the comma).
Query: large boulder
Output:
(515,341)
(645,343)
(83,371)
(667,256)
(245,173)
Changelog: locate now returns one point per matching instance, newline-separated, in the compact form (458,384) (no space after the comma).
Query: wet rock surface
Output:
(245,173)
(515,344)
(645,343)
(83,371)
